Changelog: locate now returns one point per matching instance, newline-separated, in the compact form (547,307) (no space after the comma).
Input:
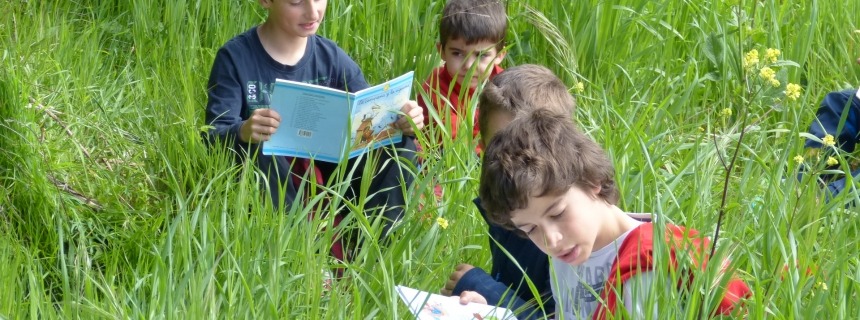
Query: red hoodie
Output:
(440,93)
(636,255)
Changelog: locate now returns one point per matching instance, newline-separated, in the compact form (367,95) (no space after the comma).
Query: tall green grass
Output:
(112,207)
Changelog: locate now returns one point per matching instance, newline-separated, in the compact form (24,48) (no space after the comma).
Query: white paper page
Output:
(429,306)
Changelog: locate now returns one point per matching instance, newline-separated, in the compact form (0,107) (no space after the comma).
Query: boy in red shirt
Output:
(543,178)
(471,40)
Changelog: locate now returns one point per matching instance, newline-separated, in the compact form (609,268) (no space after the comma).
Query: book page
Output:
(429,306)
(374,112)
(313,121)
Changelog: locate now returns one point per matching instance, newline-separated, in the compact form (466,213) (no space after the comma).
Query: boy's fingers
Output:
(403,124)
(260,137)
(268,113)
(274,123)
(264,129)
(449,287)
(464,267)
(471,296)
(409,106)
(261,122)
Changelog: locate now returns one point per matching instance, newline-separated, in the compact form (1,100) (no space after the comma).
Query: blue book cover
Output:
(331,125)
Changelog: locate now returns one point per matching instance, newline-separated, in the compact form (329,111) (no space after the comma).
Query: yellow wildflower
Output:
(751,59)
(775,83)
(798,159)
(767,74)
(772,54)
(579,87)
(828,141)
(792,91)
(727,112)
(442,222)
(831,161)
(701,129)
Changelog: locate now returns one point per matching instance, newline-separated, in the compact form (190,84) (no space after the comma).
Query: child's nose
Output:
(552,240)
(313,10)
(467,64)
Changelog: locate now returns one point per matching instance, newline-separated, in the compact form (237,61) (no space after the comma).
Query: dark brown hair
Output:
(541,154)
(522,89)
(473,21)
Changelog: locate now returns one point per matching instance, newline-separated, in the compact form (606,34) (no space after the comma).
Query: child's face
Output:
(460,57)
(564,226)
(296,18)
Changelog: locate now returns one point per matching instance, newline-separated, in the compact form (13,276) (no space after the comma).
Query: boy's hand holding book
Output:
(413,111)
(260,126)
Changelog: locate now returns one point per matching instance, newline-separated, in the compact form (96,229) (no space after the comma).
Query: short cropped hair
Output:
(541,154)
(473,21)
(522,89)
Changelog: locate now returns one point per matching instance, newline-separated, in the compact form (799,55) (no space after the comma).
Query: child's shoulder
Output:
(673,234)
(242,42)
(326,47)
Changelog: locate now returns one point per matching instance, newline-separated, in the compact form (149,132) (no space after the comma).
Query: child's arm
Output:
(475,280)
(224,106)
(224,109)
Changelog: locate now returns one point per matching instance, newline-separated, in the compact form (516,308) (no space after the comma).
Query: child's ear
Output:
(595,191)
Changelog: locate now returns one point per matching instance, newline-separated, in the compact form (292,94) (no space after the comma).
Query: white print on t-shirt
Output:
(576,288)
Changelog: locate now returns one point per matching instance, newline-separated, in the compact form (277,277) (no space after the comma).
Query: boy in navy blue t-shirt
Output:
(286,46)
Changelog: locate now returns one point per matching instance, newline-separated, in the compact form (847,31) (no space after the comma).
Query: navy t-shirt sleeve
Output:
(224,107)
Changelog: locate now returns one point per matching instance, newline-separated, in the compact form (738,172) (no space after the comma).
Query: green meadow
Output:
(111,205)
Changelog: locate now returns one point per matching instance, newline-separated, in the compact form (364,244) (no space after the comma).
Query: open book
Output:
(429,306)
(327,124)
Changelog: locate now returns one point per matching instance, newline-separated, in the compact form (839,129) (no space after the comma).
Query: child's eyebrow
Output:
(546,212)
(551,207)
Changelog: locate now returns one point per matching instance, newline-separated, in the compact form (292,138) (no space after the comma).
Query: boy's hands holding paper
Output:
(472,297)
(455,277)
(260,126)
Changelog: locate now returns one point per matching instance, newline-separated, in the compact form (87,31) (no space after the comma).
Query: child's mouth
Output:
(308,26)
(571,255)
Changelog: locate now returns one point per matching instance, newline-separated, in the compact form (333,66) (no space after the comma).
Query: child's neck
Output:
(285,49)
(615,223)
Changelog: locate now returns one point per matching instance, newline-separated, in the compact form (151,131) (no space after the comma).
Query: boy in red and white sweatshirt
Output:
(547,180)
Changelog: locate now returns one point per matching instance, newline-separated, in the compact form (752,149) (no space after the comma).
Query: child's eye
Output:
(557,215)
